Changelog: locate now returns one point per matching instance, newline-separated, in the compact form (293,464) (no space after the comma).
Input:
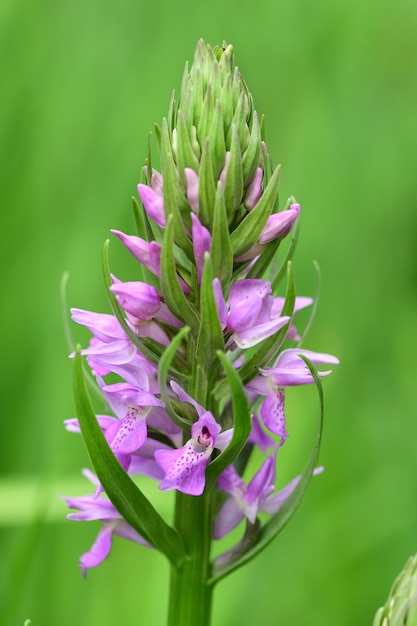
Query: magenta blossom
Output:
(185,467)
(288,370)
(201,244)
(147,253)
(250,316)
(153,203)
(248,500)
(277,225)
(93,507)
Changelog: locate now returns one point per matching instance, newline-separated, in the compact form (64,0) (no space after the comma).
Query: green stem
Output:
(190,595)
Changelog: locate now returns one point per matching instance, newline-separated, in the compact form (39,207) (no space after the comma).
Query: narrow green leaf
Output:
(227,103)
(171,288)
(259,268)
(277,522)
(252,154)
(176,205)
(242,424)
(221,248)
(288,257)
(165,139)
(217,144)
(128,499)
(233,187)
(210,336)
(239,123)
(185,153)
(250,228)
(204,122)
(313,308)
(207,187)
(164,371)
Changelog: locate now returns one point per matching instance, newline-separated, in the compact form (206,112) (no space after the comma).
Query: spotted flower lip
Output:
(185,467)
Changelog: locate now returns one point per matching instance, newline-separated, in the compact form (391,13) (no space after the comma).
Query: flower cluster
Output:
(208,230)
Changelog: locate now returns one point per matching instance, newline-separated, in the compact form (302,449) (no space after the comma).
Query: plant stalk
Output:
(190,595)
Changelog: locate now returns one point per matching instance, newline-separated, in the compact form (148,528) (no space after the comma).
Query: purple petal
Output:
(292,376)
(259,437)
(99,550)
(129,434)
(123,529)
(201,244)
(157,182)
(149,254)
(184,468)
(120,395)
(275,502)
(153,204)
(229,516)
(91,508)
(192,180)
(245,302)
(290,358)
(230,482)
(112,353)
(272,412)
(279,224)
(137,298)
(253,335)
(206,428)
(103,326)
(254,191)
(220,302)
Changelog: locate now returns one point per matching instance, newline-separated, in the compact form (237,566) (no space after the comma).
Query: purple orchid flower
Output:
(277,225)
(245,499)
(93,507)
(153,203)
(201,244)
(288,370)
(109,345)
(248,500)
(251,316)
(132,406)
(185,467)
(147,253)
(254,190)
(193,185)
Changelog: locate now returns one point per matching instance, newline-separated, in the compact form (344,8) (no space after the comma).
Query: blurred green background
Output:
(82,84)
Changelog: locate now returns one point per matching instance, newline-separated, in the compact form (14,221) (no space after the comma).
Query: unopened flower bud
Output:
(401,606)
